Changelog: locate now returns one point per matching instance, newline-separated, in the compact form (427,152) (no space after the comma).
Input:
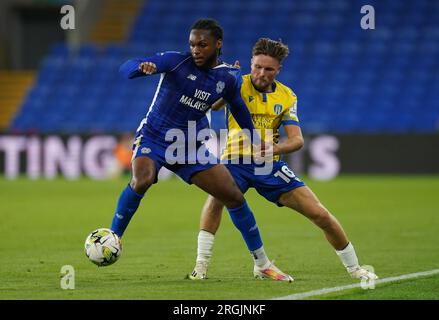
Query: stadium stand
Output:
(348,80)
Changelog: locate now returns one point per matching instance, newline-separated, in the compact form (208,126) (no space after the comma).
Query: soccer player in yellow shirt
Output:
(271,104)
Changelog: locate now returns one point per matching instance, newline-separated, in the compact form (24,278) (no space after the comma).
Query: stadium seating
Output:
(348,80)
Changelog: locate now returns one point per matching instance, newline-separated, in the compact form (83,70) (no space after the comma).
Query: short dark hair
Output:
(209,24)
(272,48)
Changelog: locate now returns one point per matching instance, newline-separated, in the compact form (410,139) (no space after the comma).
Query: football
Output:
(103,247)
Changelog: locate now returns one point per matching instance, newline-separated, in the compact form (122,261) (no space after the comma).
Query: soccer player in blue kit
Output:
(189,84)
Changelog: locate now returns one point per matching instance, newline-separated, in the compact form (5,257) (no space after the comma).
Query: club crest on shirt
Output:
(192,77)
(277,108)
(220,86)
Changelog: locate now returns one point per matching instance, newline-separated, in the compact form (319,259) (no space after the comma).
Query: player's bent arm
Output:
(293,142)
(237,106)
(219,104)
(240,111)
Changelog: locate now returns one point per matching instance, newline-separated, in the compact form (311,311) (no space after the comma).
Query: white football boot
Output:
(200,271)
(358,272)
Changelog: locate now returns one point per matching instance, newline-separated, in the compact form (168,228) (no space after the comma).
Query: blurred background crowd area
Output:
(348,80)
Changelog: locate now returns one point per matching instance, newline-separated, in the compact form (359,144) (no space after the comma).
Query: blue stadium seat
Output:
(347,79)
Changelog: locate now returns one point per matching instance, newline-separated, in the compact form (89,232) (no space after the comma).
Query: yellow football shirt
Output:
(268,111)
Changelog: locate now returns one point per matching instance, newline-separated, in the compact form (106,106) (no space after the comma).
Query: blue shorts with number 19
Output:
(282,179)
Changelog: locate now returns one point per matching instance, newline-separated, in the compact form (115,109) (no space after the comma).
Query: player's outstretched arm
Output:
(159,63)
(293,142)
(135,68)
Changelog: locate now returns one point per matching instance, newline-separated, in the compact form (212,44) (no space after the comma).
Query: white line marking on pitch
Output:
(302,295)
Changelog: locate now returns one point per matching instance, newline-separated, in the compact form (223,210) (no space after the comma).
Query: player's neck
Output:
(214,64)
(211,64)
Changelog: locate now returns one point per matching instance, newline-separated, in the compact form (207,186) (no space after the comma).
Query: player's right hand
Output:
(263,152)
(148,67)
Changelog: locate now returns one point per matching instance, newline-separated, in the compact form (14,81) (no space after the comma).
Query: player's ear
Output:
(219,45)
(278,70)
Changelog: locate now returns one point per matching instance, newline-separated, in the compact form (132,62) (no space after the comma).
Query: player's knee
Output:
(217,207)
(234,200)
(141,182)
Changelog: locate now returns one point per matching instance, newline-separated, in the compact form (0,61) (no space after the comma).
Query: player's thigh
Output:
(304,201)
(218,182)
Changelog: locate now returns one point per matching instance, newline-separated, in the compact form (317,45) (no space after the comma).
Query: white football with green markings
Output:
(103,247)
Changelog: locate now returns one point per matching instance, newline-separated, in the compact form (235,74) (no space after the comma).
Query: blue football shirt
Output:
(186,92)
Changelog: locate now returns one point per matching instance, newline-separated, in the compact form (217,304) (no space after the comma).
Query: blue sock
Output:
(244,220)
(126,207)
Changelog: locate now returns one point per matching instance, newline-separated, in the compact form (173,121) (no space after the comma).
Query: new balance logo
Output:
(192,77)
(250,99)
(119,216)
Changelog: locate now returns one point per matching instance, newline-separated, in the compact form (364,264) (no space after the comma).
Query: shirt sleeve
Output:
(164,61)
(290,116)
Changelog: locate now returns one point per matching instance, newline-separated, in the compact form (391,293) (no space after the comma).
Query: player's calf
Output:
(131,196)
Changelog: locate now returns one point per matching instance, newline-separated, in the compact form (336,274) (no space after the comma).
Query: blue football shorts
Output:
(271,186)
(185,164)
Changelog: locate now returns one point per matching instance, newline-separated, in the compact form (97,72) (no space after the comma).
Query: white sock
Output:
(260,258)
(205,245)
(348,256)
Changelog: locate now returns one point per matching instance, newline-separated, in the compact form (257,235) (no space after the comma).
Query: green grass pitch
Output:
(392,221)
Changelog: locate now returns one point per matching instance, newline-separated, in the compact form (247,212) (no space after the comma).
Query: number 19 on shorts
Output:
(285,174)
